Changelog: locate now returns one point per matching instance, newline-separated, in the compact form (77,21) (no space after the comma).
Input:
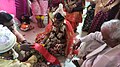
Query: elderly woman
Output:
(106,53)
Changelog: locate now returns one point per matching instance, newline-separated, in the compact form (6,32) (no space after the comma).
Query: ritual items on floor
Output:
(25,23)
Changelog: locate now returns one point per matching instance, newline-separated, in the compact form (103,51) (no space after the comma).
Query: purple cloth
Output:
(102,16)
(21,8)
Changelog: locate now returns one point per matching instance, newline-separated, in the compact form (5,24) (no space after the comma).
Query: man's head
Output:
(6,20)
(111,32)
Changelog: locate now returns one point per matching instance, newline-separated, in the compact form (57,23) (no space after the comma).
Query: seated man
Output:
(8,21)
(8,56)
(87,44)
(108,54)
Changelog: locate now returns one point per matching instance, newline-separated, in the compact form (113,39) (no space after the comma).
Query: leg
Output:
(38,18)
(42,19)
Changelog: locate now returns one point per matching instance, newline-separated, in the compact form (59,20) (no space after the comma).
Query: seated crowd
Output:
(98,49)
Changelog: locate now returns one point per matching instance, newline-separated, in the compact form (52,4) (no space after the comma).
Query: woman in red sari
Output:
(74,12)
(59,34)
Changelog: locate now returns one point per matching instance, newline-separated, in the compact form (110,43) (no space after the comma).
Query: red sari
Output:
(74,18)
(70,35)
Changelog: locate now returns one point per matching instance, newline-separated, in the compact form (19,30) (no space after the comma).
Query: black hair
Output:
(5,17)
(26,19)
(31,0)
(59,17)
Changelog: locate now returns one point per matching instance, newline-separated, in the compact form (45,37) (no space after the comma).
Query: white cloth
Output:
(92,36)
(60,10)
(91,42)
(108,57)
(7,39)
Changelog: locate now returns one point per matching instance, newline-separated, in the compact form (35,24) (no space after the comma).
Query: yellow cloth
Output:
(17,63)
(40,17)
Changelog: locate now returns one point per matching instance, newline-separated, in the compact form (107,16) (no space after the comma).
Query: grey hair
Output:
(113,26)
